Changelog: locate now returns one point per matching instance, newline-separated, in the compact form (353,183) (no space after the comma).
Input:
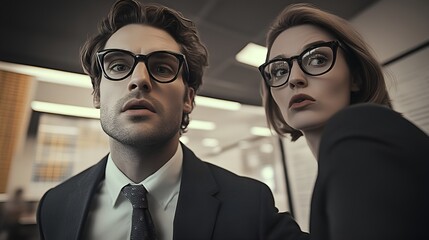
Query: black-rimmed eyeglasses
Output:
(162,66)
(315,60)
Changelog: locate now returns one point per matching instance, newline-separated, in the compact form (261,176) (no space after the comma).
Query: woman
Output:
(321,81)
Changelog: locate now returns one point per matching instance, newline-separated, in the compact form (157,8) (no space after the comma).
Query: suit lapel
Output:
(197,206)
(79,202)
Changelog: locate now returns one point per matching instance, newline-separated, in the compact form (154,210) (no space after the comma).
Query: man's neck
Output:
(137,163)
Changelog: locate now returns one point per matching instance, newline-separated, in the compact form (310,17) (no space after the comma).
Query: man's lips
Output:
(136,104)
(300,98)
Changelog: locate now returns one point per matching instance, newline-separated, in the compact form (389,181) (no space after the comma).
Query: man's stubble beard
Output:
(148,137)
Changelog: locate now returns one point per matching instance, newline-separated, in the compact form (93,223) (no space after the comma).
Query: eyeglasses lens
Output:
(161,65)
(316,61)
(117,64)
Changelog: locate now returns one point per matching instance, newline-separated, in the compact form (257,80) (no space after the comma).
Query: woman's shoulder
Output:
(372,160)
(372,134)
(358,113)
(373,119)
(369,137)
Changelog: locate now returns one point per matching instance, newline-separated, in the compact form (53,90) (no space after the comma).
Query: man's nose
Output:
(140,78)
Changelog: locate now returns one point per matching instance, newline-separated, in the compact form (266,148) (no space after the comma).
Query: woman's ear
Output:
(354,85)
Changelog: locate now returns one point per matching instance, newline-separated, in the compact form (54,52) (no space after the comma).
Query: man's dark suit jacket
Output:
(213,204)
(373,178)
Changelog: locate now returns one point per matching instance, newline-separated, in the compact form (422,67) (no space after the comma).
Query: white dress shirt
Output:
(110,214)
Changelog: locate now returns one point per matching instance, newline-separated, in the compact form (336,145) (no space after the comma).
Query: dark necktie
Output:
(142,226)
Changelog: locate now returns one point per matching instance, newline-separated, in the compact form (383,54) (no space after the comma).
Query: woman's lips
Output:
(300,101)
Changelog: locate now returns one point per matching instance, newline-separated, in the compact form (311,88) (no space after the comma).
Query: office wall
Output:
(15,96)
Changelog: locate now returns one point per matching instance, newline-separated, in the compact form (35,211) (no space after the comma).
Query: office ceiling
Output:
(50,33)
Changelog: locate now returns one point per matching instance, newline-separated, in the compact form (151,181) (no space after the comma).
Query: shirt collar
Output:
(162,185)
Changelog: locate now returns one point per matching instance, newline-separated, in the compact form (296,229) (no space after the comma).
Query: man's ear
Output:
(96,100)
(189,99)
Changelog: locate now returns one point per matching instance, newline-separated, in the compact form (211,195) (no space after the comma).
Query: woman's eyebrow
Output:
(308,45)
(305,47)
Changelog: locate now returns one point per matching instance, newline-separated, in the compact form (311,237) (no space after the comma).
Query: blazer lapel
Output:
(197,206)
(79,202)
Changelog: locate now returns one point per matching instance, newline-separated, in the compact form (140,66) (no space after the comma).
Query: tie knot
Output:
(136,194)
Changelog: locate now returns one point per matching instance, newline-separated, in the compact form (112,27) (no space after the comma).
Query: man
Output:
(146,64)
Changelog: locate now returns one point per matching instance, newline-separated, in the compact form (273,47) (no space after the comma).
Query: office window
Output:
(65,146)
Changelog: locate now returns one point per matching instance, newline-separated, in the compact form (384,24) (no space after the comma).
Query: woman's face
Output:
(308,102)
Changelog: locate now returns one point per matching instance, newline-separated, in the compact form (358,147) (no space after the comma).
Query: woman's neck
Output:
(313,140)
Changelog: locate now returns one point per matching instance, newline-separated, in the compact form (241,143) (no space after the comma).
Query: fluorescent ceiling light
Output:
(210,142)
(261,131)
(267,172)
(56,129)
(217,103)
(252,54)
(184,139)
(49,75)
(63,109)
(201,125)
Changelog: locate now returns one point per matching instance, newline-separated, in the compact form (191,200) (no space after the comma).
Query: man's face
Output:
(137,110)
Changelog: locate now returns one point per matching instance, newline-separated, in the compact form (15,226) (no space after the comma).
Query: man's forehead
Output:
(140,38)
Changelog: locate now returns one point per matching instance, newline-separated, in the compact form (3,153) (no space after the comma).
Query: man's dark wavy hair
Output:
(183,30)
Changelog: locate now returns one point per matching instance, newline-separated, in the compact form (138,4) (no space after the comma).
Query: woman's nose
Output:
(297,77)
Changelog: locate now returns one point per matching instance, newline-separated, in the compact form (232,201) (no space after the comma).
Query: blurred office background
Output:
(49,131)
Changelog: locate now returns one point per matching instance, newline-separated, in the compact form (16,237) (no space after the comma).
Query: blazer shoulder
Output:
(226,178)
(369,150)
(372,120)
(363,113)
(367,135)
(56,221)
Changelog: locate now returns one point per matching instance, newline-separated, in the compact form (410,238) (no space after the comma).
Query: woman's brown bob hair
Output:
(126,12)
(364,68)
